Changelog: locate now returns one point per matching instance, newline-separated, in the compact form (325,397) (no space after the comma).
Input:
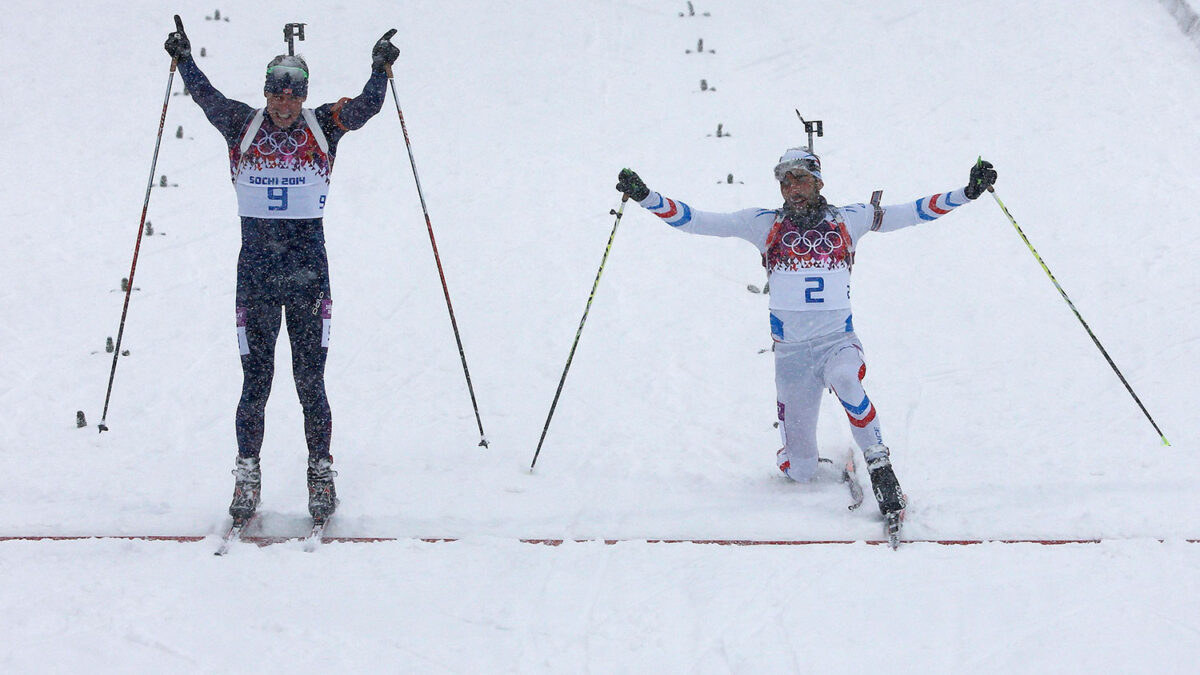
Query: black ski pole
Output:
(586,309)
(483,442)
(162,120)
(1079,316)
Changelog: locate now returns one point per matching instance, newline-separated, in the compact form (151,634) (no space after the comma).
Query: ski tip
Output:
(1166,442)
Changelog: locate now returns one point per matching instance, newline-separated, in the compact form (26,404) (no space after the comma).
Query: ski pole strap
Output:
(877,222)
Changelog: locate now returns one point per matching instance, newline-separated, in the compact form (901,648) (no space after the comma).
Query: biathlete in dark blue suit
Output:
(280,158)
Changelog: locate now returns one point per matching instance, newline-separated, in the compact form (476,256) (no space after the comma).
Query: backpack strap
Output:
(876,196)
(251,131)
(311,118)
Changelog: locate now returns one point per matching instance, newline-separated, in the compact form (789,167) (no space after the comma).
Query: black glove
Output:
(384,53)
(177,44)
(983,176)
(631,184)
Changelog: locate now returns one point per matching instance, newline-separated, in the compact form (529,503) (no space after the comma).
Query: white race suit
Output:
(811,323)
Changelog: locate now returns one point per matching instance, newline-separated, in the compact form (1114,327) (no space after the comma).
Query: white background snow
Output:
(1004,419)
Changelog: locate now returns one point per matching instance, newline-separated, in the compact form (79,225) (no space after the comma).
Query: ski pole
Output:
(1078,315)
(483,442)
(586,309)
(162,120)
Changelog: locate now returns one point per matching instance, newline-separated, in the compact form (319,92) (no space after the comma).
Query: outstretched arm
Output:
(749,224)
(860,218)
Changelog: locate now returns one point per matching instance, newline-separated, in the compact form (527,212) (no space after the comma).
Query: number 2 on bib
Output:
(815,285)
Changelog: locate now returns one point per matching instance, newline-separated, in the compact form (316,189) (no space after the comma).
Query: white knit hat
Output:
(798,159)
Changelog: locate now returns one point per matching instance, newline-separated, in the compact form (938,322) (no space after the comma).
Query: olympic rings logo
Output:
(812,241)
(284,143)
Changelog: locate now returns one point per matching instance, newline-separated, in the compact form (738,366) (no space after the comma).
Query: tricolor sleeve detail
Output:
(673,213)
(749,224)
(935,206)
(859,217)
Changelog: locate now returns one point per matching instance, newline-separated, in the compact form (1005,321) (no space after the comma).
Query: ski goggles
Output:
(809,164)
(292,72)
(283,79)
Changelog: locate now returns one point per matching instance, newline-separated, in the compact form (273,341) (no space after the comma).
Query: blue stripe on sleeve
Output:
(924,215)
(687,215)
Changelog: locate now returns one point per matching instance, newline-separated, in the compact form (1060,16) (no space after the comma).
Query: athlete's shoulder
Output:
(855,213)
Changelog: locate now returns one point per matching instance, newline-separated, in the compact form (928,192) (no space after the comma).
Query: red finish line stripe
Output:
(264,540)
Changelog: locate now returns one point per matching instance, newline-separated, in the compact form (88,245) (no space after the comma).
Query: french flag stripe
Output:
(921,212)
(687,216)
(669,213)
(864,421)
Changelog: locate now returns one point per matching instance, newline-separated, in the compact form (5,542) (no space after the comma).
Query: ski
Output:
(850,478)
(316,536)
(891,521)
(233,535)
(892,528)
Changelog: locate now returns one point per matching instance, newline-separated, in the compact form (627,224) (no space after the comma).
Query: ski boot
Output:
(883,481)
(247,486)
(824,470)
(322,497)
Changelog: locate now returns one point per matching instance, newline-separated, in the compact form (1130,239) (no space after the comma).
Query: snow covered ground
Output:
(1005,421)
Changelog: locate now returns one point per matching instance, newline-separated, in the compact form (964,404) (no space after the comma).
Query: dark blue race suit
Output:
(283,270)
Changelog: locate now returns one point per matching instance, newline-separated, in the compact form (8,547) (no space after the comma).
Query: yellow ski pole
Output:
(1078,315)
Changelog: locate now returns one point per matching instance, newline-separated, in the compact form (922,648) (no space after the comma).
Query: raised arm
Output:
(227,115)
(349,114)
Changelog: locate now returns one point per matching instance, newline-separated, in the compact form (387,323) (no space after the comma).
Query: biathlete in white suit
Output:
(808,250)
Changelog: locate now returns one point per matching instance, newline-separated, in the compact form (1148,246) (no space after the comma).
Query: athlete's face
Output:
(799,189)
(284,109)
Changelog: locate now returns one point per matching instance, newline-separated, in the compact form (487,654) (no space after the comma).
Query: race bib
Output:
(282,174)
(810,289)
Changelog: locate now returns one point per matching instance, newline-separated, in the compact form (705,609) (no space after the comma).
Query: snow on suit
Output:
(282,179)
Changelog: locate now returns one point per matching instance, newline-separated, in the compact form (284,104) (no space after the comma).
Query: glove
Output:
(385,53)
(177,44)
(631,184)
(983,176)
